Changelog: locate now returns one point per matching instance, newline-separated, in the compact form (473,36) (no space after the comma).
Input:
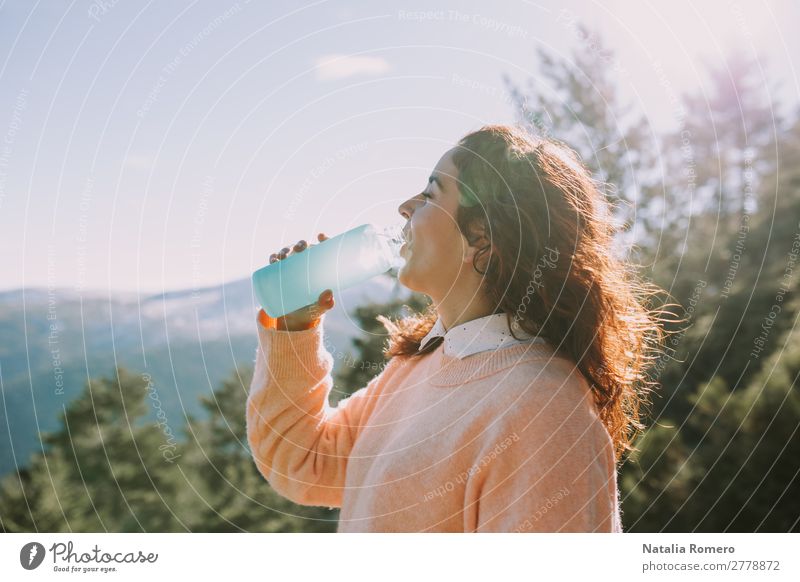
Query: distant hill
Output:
(188,341)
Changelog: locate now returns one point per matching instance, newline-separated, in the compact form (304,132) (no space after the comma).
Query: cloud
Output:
(332,67)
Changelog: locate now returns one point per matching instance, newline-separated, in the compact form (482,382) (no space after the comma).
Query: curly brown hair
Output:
(550,266)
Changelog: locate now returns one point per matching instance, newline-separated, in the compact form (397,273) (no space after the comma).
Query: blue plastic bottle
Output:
(336,263)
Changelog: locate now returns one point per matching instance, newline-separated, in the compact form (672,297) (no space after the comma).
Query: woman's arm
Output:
(299,443)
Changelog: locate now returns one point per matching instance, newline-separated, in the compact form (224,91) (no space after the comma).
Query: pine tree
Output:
(101,471)
(224,490)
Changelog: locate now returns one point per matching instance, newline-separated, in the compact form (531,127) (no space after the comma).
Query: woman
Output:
(508,404)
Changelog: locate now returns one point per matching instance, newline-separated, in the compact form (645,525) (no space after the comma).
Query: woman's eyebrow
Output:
(436,180)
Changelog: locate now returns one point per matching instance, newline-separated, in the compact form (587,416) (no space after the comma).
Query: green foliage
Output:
(656,480)
(716,225)
(102,472)
(230,493)
(732,466)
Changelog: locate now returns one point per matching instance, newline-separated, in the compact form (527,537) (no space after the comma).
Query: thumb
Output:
(325,299)
(324,303)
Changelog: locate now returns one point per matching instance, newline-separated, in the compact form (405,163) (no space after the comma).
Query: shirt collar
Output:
(479,335)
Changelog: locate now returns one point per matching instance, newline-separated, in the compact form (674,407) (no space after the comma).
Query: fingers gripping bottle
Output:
(337,263)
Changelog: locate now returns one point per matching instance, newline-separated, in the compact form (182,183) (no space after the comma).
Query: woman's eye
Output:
(426,195)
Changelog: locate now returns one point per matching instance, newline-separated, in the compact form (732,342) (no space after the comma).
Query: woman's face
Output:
(434,253)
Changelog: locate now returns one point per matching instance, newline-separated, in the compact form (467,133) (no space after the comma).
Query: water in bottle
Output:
(336,263)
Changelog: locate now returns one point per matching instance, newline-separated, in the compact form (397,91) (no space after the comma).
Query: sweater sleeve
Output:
(299,443)
(549,466)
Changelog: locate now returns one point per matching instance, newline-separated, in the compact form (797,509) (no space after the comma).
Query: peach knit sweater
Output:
(500,441)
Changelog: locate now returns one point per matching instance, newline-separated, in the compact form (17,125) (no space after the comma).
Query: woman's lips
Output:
(406,239)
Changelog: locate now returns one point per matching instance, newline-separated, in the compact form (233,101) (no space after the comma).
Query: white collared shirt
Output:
(479,335)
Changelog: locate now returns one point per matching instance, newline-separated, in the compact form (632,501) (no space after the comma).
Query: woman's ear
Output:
(477,241)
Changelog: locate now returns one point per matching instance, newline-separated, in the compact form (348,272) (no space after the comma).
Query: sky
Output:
(150,147)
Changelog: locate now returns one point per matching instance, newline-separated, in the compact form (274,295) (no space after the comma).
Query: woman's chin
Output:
(405,277)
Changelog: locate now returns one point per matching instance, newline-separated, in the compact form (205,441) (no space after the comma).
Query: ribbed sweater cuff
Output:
(294,354)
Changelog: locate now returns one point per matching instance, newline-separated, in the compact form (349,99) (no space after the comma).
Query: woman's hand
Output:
(308,316)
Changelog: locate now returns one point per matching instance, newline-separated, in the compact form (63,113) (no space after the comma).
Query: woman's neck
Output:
(453,313)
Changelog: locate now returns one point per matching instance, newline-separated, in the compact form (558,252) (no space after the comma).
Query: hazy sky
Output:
(173,145)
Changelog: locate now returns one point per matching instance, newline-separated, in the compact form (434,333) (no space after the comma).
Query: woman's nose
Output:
(406,208)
